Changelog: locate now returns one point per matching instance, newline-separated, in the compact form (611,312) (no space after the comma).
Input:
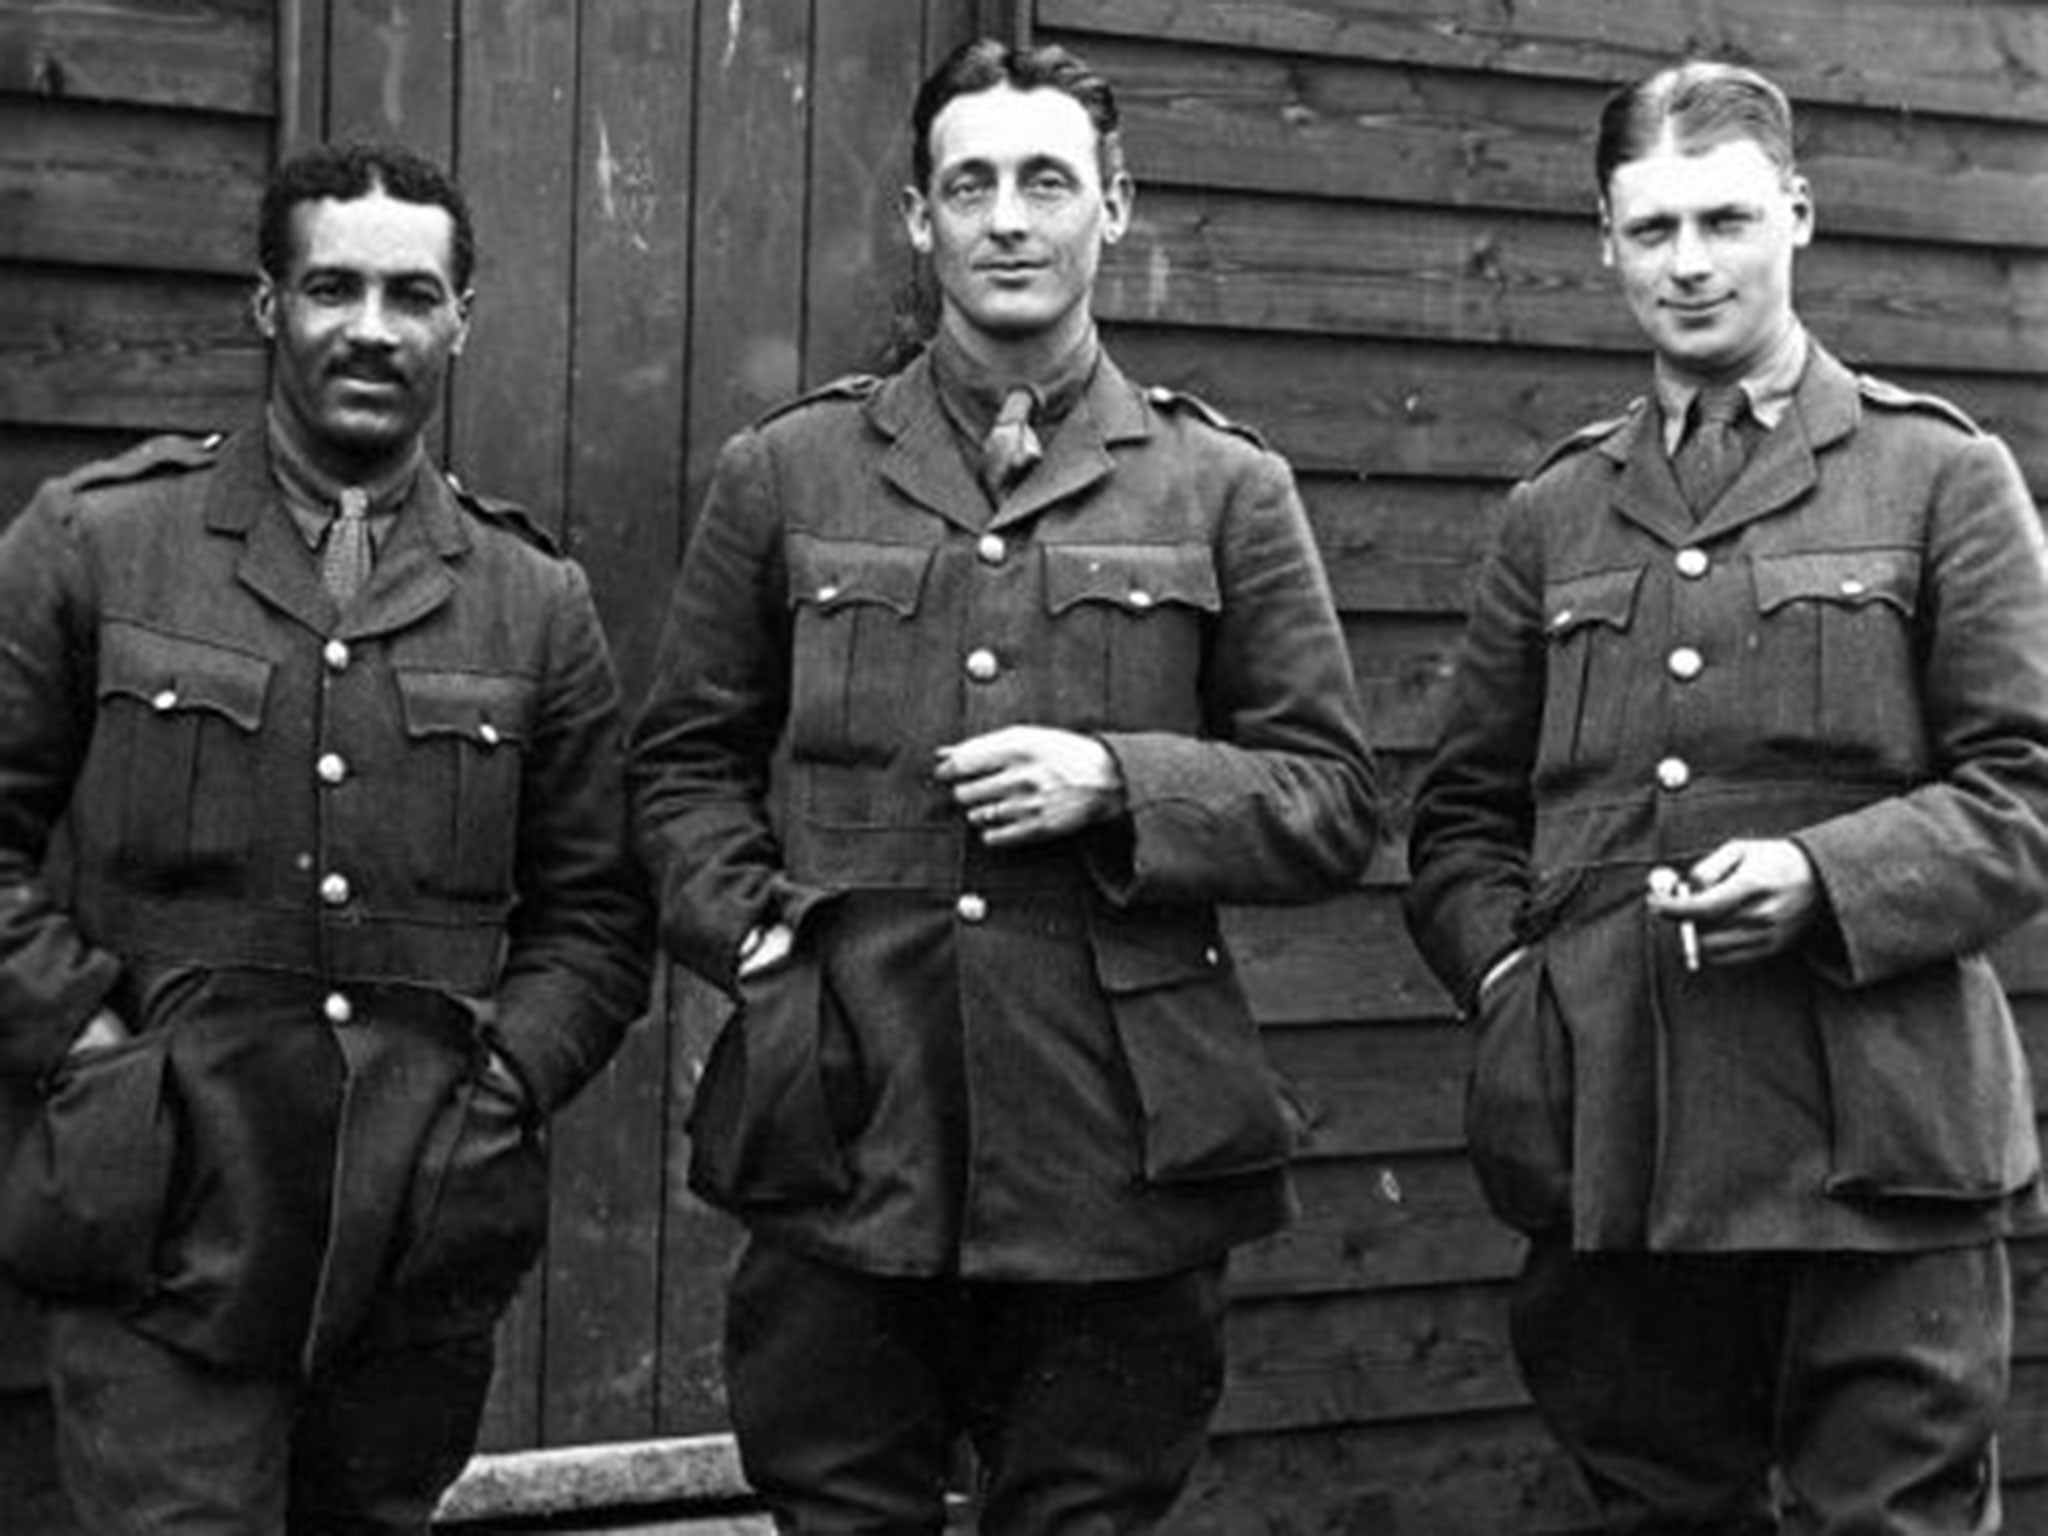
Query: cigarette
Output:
(1667,882)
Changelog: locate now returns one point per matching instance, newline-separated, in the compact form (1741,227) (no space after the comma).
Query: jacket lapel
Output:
(1109,411)
(412,576)
(1785,469)
(245,503)
(1645,490)
(924,460)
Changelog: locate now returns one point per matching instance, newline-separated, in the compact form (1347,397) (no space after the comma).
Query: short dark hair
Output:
(346,172)
(987,63)
(1705,103)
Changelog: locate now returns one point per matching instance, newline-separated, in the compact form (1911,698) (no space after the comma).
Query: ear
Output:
(1802,211)
(263,306)
(465,304)
(917,220)
(1117,198)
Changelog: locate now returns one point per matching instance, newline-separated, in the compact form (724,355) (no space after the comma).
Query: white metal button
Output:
(1851,587)
(1685,663)
(489,734)
(1140,598)
(1674,773)
(334,890)
(332,768)
(1561,618)
(335,654)
(166,699)
(982,666)
(827,592)
(971,908)
(991,548)
(337,1008)
(1692,563)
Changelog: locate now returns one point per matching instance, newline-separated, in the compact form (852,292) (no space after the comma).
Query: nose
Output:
(370,322)
(1007,212)
(1689,257)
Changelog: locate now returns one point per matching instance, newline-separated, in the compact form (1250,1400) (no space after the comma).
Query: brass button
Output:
(991,548)
(1685,663)
(332,768)
(1561,618)
(337,1009)
(1674,773)
(982,666)
(335,654)
(971,908)
(166,699)
(827,592)
(489,734)
(1851,587)
(334,890)
(1692,563)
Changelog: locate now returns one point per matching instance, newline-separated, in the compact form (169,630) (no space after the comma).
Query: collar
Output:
(310,493)
(1770,386)
(972,392)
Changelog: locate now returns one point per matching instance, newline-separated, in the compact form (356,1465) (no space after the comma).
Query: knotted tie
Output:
(1011,447)
(345,557)
(1713,452)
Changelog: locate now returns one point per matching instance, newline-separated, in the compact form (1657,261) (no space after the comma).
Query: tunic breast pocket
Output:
(1835,669)
(1129,630)
(1591,671)
(466,734)
(173,768)
(857,646)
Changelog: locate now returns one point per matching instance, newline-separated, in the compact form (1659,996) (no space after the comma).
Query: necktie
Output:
(1713,452)
(345,557)
(1011,447)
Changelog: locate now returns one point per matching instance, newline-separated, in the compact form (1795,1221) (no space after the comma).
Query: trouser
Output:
(1823,1394)
(153,1441)
(1086,1405)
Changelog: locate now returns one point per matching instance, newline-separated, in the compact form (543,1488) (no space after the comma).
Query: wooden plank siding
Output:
(1368,230)
(1363,226)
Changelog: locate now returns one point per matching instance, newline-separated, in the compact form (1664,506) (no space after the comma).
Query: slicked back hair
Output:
(1705,104)
(986,63)
(345,172)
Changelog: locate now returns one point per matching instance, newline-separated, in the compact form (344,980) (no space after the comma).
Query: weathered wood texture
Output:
(1363,226)
(1367,229)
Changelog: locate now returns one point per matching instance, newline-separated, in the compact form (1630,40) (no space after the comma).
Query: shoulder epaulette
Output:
(157,455)
(508,515)
(848,386)
(1882,392)
(1163,398)
(1586,436)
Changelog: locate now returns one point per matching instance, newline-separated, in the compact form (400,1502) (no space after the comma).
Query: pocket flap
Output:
(171,672)
(1134,577)
(1605,597)
(1849,577)
(484,707)
(834,573)
(1135,953)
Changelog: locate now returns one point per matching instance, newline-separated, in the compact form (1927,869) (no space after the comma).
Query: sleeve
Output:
(1474,809)
(1278,799)
(51,979)
(580,939)
(707,731)
(1963,858)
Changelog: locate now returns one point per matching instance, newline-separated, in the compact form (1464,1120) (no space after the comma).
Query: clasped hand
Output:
(1028,783)
(1748,899)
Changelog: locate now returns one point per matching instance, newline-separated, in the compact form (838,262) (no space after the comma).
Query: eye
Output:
(966,191)
(1048,185)
(418,298)
(327,288)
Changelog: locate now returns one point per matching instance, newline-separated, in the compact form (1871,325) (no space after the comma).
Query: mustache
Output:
(369,368)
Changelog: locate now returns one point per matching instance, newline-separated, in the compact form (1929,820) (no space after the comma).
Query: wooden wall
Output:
(1367,227)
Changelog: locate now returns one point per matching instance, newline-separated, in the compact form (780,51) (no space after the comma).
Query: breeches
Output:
(1822,1394)
(156,1442)
(1086,1405)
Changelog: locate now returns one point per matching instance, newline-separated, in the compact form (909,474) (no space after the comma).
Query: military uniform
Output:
(1846,649)
(319,862)
(1016,1067)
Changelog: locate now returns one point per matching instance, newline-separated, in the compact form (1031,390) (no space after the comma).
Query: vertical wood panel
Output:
(859,262)
(747,307)
(508,422)
(635,94)
(393,73)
